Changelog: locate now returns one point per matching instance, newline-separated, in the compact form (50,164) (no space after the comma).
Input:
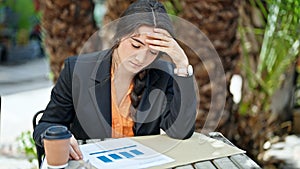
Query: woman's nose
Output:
(141,56)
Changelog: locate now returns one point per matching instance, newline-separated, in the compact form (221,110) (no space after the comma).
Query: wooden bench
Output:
(239,161)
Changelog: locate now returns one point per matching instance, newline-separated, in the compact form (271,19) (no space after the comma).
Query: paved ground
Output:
(24,89)
(17,77)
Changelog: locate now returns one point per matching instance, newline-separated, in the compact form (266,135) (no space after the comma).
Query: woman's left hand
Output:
(75,152)
(161,40)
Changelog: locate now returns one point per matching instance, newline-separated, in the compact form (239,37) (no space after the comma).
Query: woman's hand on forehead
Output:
(161,40)
(163,32)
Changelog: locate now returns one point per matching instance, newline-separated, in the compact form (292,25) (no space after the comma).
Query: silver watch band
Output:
(188,71)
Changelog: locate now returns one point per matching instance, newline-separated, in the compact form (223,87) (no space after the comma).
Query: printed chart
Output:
(122,152)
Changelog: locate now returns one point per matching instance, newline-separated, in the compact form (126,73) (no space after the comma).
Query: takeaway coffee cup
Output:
(57,146)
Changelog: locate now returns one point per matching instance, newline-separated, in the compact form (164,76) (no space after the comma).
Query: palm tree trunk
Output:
(115,8)
(218,20)
(66,24)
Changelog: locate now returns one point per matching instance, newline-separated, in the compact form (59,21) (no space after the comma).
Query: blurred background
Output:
(258,42)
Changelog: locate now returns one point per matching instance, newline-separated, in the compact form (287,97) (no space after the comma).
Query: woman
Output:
(126,90)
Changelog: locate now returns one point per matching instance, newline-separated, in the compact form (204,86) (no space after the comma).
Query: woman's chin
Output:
(133,70)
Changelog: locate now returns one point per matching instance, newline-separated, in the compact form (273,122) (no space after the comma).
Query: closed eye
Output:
(153,52)
(135,46)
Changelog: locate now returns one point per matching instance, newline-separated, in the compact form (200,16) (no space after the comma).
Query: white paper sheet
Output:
(122,153)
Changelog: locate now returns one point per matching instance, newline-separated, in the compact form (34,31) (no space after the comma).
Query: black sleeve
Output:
(178,119)
(60,109)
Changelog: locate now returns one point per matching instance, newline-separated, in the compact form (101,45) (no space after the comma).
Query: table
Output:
(237,161)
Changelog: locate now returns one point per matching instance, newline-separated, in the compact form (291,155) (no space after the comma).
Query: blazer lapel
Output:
(100,90)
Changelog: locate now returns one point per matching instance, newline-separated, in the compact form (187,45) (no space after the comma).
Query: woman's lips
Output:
(135,64)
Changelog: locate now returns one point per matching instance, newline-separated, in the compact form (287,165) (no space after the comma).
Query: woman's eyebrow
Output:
(138,41)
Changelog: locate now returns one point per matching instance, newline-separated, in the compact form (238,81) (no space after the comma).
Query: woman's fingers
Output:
(157,42)
(162,31)
(161,40)
(158,36)
(158,48)
(75,152)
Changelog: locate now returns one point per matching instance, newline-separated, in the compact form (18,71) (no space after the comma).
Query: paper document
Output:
(122,153)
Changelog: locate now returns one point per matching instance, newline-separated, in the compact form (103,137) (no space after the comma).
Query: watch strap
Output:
(187,71)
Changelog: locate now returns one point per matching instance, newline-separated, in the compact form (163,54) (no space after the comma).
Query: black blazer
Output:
(81,100)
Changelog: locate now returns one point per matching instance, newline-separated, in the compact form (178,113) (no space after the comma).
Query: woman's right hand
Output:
(75,152)
(161,40)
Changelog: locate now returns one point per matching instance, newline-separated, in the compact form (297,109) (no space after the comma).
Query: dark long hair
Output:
(141,13)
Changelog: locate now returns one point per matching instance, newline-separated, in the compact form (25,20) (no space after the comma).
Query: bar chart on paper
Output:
(124,153)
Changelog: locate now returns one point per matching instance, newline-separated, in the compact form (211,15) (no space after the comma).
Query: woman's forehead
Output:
(144,30)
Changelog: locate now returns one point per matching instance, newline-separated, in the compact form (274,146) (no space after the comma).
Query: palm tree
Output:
(269,70)
(218,20)
(115,8)
(66,26)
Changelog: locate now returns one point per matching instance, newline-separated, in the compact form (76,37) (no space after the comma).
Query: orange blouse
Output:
(122,123)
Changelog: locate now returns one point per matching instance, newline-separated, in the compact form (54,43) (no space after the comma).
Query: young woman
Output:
(127,90)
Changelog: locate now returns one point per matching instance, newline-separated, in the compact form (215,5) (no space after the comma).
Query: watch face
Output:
(190,70)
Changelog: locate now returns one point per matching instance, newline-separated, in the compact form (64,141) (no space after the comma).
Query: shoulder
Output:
(88,58)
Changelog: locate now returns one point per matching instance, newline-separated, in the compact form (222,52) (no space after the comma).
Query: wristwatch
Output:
(187,71)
